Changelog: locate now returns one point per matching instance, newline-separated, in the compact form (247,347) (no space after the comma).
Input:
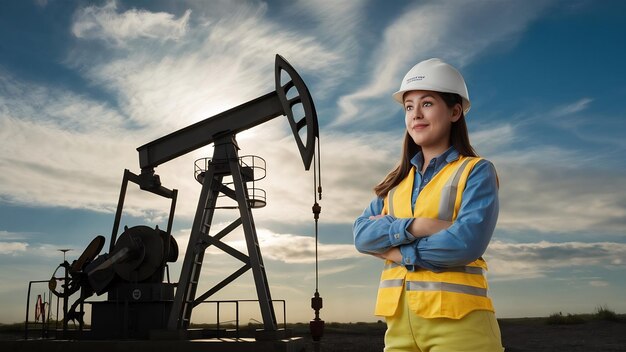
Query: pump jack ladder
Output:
(225,162)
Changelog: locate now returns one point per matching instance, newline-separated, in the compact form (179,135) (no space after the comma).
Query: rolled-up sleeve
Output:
(467,238)
(378,235)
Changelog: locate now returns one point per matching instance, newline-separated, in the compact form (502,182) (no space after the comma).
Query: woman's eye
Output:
(408,108)
(427,103)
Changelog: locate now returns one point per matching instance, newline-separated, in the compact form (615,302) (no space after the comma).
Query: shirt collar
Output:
(450,155)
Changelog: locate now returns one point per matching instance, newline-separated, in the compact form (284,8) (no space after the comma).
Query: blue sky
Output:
(83,84)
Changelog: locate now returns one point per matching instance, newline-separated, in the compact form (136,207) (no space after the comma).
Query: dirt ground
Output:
(517,336)
(592,336)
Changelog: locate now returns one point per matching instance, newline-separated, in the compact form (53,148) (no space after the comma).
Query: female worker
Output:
(431,220)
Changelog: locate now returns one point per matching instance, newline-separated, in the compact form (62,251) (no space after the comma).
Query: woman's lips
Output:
(419,127)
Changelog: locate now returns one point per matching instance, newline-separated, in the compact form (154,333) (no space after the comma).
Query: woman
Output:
(431,220)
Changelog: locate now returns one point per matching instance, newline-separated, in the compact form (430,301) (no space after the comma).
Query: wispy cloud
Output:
(569,109)
(282,247)
(300,249)
(54,142)
(12,248)
(6,235)
(518,261)
(37,252)
(339,20)
(219,63)
(456,32)
(89,142)
(222,61)
(13,243)
(559,199)
(492,140)
(599,283)
(339,24)
(107,24)
(590,125)
(549,187)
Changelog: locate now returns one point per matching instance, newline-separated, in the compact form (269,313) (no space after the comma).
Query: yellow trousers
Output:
(476,332)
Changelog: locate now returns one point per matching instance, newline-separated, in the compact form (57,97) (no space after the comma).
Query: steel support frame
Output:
(225,162)
(160,190)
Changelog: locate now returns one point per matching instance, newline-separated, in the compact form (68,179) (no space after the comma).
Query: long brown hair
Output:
(459,138)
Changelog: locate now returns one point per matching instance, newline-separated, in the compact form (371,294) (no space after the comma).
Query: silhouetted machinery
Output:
(139,303)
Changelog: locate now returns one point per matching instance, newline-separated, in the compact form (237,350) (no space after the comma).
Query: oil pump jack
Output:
(139,302)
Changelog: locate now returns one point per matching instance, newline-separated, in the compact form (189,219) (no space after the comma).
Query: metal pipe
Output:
(118,213)
(27,307)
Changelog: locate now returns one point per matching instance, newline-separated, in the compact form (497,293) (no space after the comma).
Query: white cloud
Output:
(572,108)
(223,62)
(6,235)
(215,66)
(351,165)
(518,261)
(41,252)
(301,249)
(86,147)
(83,145)
(57,146)
(549,188)
(106,23)
(286,248)
(590,127)
(163,71)
(491,140)
(13,248)
(219,64)
(456,32)
(340,24)
(599,283)
(557,198)
(339,20)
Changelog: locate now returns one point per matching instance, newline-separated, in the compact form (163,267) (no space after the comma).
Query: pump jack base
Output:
(293,344)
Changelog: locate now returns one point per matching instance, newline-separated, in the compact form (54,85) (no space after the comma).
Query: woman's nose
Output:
(415,114)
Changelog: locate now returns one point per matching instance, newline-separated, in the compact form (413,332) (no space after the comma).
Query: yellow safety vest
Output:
(454,292)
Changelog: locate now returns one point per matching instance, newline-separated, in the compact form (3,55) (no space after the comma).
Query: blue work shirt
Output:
(460,244)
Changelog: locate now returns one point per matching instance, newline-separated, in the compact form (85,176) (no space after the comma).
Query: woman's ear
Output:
(457,112)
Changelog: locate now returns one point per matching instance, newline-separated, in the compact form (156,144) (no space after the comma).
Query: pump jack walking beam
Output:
(241,118)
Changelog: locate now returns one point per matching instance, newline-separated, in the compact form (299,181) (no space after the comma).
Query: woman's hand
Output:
(424,227)
(419,227)
(392,254)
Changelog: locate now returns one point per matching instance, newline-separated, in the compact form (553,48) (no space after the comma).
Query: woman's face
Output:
(428,119)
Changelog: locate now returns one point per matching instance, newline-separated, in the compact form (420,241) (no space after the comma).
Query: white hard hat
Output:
(435,75)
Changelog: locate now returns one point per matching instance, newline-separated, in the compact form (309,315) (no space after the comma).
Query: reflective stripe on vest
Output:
(451,293)
(390,264)
(448,195)
(445,286)
(390,196)
(391,283)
